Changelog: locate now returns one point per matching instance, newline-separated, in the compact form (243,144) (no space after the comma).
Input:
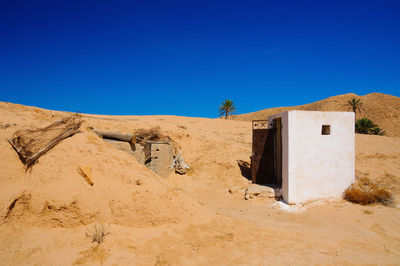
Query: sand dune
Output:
(183,219)
(382,109)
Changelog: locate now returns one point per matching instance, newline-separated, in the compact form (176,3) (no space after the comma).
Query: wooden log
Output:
(126,137)
(114,135)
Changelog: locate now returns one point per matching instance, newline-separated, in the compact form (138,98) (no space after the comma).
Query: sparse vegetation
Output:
(366,126)
(355,105)
(98,233)
(176,219)
(227,109)
(378,131)
(365,192)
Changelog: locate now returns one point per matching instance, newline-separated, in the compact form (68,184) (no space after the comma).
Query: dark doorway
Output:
(266,159)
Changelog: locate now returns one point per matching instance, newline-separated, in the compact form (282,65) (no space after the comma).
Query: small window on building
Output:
(326,130)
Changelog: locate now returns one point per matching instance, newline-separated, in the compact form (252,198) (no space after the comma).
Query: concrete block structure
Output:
(308,155)
(162,156)
(159,158)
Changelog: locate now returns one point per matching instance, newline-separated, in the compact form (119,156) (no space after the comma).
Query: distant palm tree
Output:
(364,126)
(227,108)
(355,104)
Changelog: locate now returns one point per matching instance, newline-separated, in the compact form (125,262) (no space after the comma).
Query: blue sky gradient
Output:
(186,57)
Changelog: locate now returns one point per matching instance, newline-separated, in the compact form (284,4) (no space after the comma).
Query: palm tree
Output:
(227,108)
(355,104)
(378,131)
(364,126)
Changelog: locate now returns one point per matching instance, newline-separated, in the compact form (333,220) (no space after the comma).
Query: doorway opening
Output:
(266,159)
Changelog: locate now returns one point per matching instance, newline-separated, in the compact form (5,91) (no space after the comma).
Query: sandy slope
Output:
(382,109)
(190,219)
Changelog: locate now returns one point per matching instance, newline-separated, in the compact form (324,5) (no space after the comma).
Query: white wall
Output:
(316,166)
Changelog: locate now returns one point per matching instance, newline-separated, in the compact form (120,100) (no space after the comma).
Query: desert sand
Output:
(182,219)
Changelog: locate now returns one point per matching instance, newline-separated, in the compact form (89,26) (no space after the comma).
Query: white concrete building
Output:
(314,153)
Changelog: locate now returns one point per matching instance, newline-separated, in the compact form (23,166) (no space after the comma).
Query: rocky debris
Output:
(235,190)
(139,182)
(179,164)
(280,205)
(86,172)
(259,190)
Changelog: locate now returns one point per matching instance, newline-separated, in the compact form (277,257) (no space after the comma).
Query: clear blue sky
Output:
(186,57)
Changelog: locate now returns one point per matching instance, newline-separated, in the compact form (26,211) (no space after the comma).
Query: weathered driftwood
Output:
(114,135)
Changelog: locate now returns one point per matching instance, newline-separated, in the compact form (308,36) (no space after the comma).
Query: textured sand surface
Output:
(189,219)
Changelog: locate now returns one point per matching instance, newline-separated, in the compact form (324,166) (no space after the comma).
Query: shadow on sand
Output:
(244,169)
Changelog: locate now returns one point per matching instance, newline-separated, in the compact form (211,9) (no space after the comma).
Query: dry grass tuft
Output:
(98,233)
(365,192)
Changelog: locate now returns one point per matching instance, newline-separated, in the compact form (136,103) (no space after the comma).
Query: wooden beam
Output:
(113,135)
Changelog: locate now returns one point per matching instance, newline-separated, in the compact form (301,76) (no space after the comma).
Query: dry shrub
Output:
(31,144)
(146,137)
(98,233)
(365,192)
(153,134)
